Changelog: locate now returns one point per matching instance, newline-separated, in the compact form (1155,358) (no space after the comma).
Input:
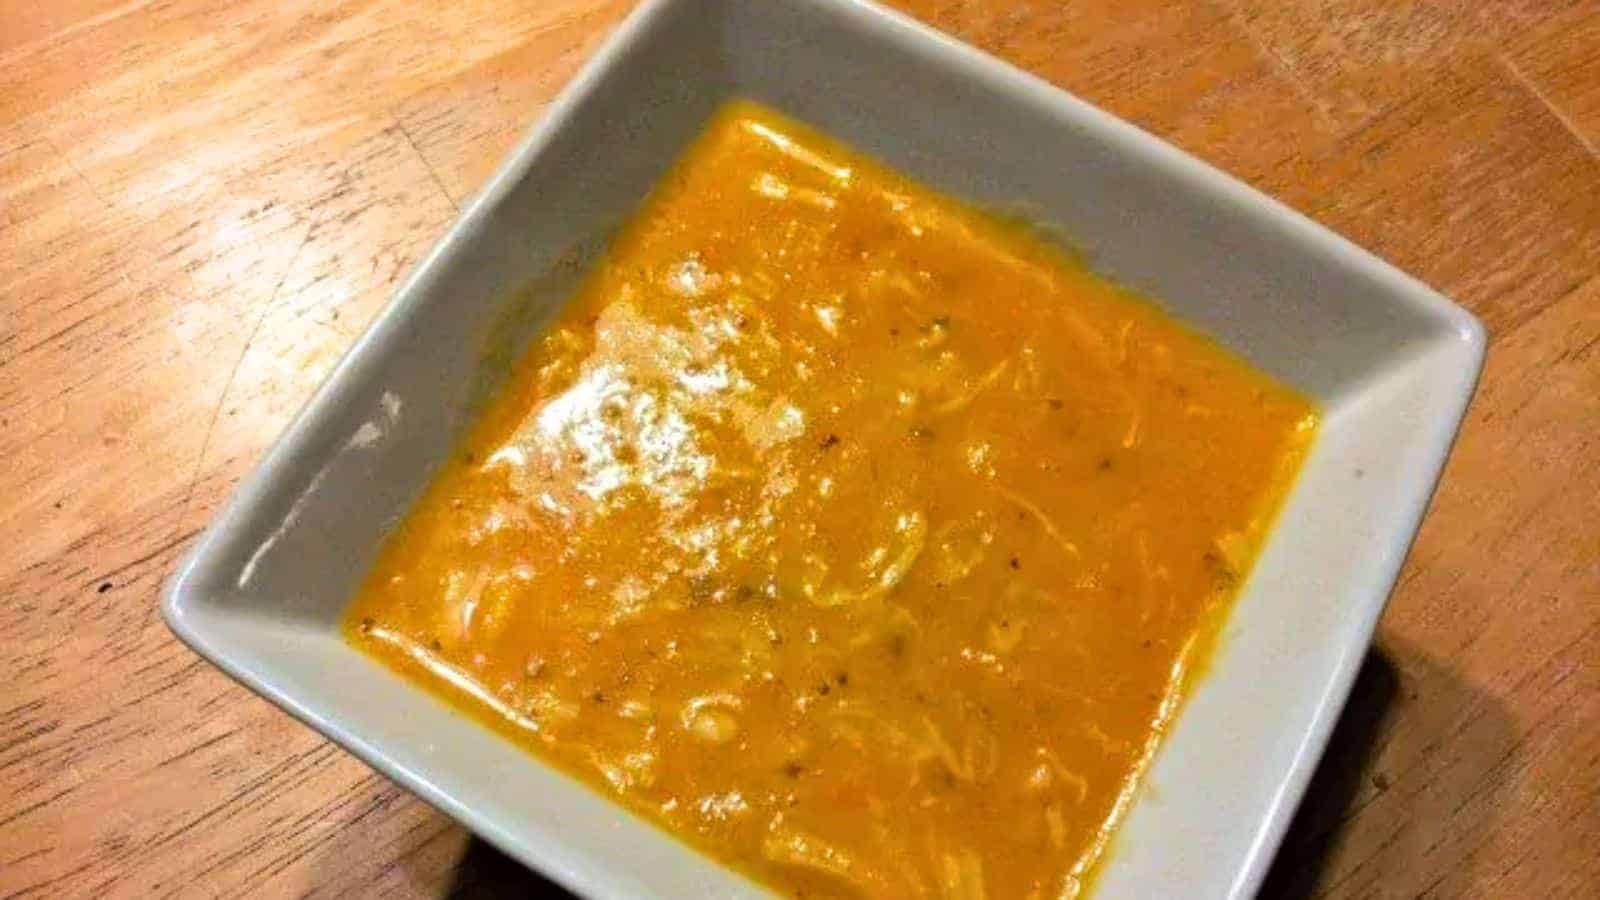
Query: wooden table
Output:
(204,202)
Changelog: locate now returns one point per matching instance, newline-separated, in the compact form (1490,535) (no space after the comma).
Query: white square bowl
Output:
(1392,363)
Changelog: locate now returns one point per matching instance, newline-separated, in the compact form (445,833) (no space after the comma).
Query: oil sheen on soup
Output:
(861,540)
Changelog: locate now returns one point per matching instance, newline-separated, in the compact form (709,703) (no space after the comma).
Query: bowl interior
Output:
(1391,362)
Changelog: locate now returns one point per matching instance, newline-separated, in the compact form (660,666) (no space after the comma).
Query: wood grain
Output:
(203,203)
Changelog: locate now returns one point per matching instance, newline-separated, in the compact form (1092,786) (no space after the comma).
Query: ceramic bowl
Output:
(1392,363)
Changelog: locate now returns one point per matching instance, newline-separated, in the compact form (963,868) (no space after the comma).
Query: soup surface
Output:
(860,539)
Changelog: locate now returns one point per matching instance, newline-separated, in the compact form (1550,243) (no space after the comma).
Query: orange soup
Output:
(859,539)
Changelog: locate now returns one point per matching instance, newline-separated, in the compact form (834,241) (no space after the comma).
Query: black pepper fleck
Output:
(702,588)
(105,586)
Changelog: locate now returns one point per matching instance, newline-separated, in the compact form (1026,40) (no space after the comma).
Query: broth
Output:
(860,539)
